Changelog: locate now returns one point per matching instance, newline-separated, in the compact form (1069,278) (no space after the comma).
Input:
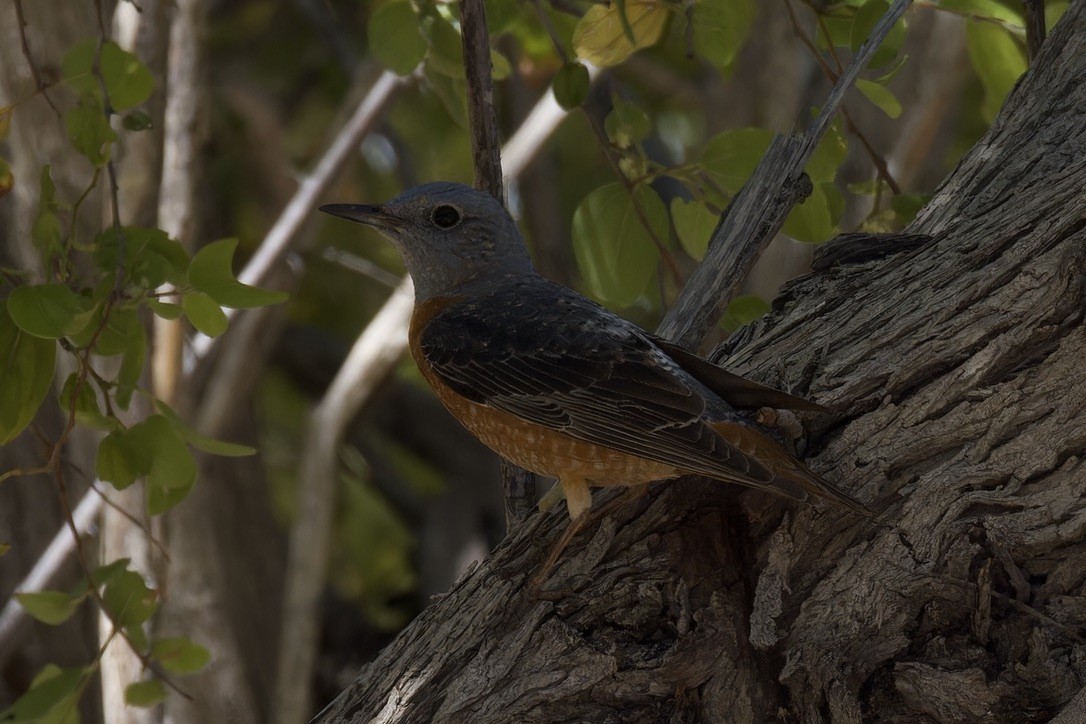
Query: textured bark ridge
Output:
(954,372)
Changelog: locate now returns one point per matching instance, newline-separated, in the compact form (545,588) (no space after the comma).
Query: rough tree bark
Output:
(953,372)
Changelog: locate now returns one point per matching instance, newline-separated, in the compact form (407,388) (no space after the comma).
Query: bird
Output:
(558,384)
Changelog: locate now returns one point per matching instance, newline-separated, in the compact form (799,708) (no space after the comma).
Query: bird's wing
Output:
(739,392)
(564,363)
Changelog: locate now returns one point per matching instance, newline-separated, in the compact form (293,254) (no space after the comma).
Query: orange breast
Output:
(531,446)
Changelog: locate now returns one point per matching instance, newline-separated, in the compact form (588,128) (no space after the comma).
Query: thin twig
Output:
(38,80)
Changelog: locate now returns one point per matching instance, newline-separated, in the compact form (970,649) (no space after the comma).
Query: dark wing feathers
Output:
(544,354)
(737,391)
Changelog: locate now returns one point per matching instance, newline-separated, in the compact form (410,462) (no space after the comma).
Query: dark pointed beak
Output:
(364,214)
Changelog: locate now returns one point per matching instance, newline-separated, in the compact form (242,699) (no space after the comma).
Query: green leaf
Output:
(123,458)
(211,273)
(46,232)
(881,96)
(451,91)
(51,607)
(204,313)
(127,79)
(7,178)
(4,548)
(202,442)
(135,354)
(815,220)
(720,28)
(828,155)
(145,693)
(867,15)
(907,206)
(149,256)
(603,34)
(998,60)
(695,224)
(88,129)
(743,310)
(395,38)
(85,404)
(106,573)
(499,66)
(571,84)
(52,697)
(137,121)
(173,469)
(166,310)
(446,54)
(26,371)
(50,311)
(984,10)
(615,253)
(180,655)
(731,157)
(626,124)
(128,599)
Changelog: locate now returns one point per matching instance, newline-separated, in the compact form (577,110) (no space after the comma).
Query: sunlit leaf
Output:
(26,371)
(615,253)
(828,155)
(395,38)
(984,9)
(211,272)
(603,38)
(720,29)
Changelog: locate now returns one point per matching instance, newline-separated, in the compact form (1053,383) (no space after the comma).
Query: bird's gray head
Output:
(449,235)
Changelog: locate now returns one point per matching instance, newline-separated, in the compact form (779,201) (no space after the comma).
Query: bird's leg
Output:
(578,501)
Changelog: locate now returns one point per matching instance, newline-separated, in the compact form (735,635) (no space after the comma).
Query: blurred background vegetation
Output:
(619,205)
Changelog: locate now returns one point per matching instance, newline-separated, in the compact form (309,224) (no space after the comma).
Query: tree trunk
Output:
(953,373)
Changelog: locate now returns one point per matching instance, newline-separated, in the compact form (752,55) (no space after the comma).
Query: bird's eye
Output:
(445,217)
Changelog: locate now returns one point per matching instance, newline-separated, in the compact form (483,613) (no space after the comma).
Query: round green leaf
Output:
(211,272)
(180,655)
(128,599)
(395,38)
(571,85)
(828,155)
(50,311)
(695,224)
(145,693)
(89,130)
(615,253)
(608,34)
(626,124)
(743,310)
(51,607)
(731,157)
(815,220)
(446,54)
(123,457)
(204,313)
(720,28)
(26,371)
(137,121)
